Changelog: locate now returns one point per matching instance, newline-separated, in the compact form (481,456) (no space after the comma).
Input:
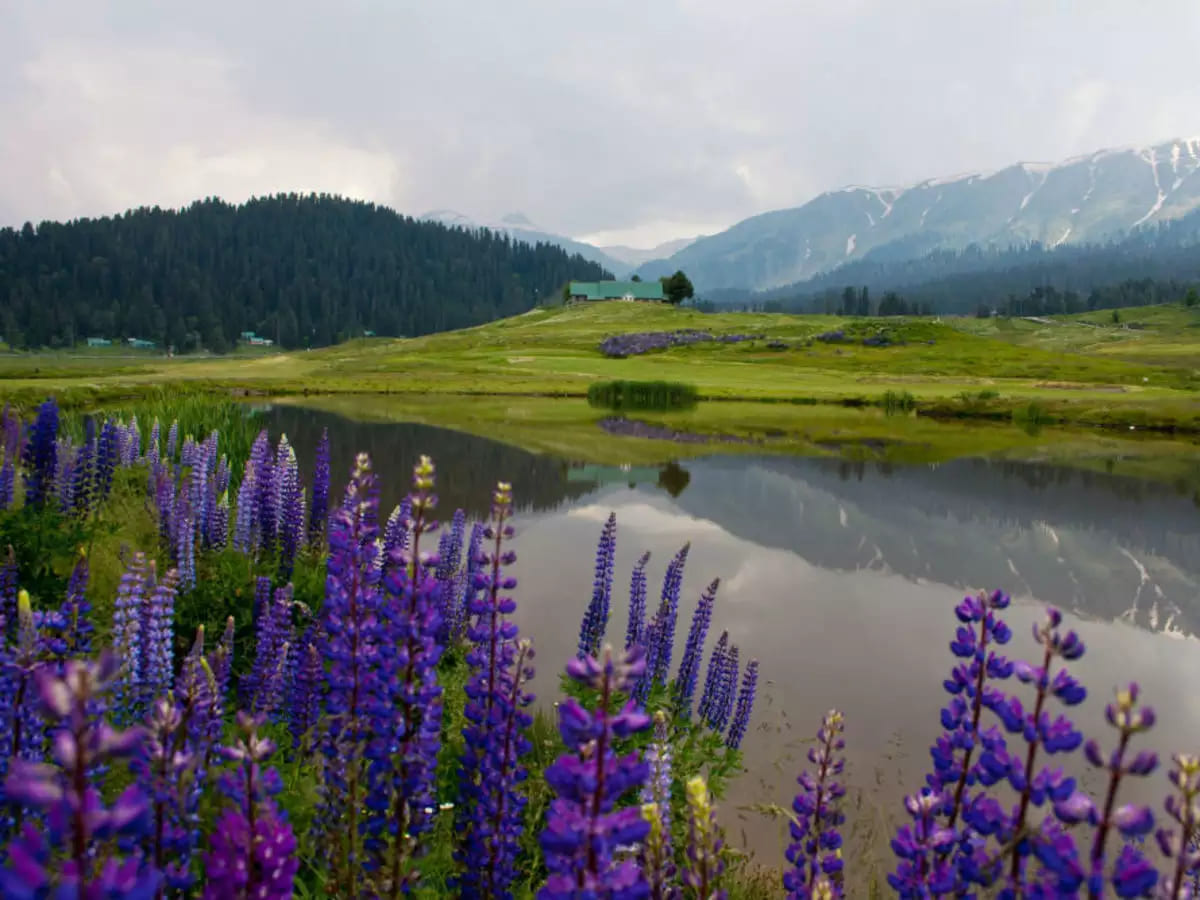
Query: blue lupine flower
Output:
(320,493)
(22,731)
(59,791)
(693,651)
(304,698)
(64,475)
(660,634)
(635,631)
(726,692)
(291,512)
(745,704)
(153,454)
(76,610)
(107,457)
(1181,845)
(815,851)
(127,639)
(172,440)
(706,711)
(262,688)
(9,587)
(83,473)
(595,620)
(584,824)
(349,628)
(923,849)
(184,529)
(40,457)
(156,640)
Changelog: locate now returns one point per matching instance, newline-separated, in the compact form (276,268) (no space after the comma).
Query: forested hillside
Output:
(1153,265)
(303,270)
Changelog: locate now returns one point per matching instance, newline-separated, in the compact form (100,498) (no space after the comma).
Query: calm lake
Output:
(841,579)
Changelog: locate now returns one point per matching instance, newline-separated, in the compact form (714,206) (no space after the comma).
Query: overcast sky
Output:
(619,120)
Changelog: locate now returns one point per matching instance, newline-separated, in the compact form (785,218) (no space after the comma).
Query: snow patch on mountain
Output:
(850,242)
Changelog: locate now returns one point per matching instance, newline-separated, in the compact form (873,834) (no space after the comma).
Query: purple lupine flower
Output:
(152,446)
(8,479)
(693,652)
(133,444)
(107,456)
(656,857)
(223,666)
(218,524)
(10,452)
(320,492)
(1181,845)
(304,700)
(22,732)
(172,440)
(490,806)
(63,792)
(251,530)
(40,455)
(198,488)
(584,825)
(745,704)
(403,749)
(923,849)
(64,475)
(165,768)
(660,635)
(76,610)
(156,640)
(244,529)
(722,707)
(262,688)
(706,711)
(271,497)
(127,639)
(185,536)
(635,630)
(253,850)
(395,535)
(349,627)
(9,587)
(449,558)
(816,842)
(291,511)
(595,620)
(1054,736)
(704,863)
(83,475)
(1132,821)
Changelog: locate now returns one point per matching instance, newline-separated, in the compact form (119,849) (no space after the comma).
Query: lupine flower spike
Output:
(657,859)
(815,851)
(704,863)
(1181,845)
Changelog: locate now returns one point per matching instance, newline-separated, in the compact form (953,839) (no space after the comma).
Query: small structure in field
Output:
(581,291)
(99,342)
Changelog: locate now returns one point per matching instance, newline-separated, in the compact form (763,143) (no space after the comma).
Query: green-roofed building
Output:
(616,290)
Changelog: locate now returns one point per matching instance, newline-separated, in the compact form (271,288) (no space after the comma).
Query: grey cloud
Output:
(588,116)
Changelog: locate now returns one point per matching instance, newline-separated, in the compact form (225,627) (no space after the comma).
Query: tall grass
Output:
(660,395)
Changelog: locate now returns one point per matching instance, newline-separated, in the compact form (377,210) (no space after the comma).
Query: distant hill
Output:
(519,227)
(1090,198)
(304,270)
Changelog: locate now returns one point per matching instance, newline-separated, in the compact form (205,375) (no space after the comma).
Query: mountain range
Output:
(1085,199)
(619,260)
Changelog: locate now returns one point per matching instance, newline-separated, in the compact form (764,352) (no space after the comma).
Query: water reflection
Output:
(840,578)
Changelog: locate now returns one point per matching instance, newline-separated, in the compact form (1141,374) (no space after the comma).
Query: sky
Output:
(615,121)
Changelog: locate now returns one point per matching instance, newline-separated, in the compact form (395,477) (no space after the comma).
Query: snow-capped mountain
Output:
(1087,198)
(518,226)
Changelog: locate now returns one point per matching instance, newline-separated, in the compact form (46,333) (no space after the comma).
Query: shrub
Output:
(660,395)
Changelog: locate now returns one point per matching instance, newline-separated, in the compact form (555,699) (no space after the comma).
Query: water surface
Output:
(840,578)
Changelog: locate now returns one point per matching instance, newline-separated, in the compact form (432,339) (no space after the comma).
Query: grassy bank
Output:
(1073,369)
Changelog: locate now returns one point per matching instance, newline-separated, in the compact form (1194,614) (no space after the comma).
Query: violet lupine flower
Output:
(745,705)
(133,443)
(156,640)
(22,733)
(107,455)
(635,631)
(1132,875)
(395,535)
(656,857)
(262,688)
(1181,845)
(815,851)
(271,499)
(9,587)
(449,558)
(704,863)
(63,793)
(218,524)
(152,446)
(8,479)
(252,851)
(660,637)
(490,805)
(923,849)
(77,611)
(403,749)
(10,451)
(1054,736)
(244,521)
(198,488)
(304,699)
(584,825)
(224,660)
(468,585)
(172,440)
(712,679)
(291,510)
(693,652)
(83,475)
(166,769)
(320,492)
(127,639)
(40,455)
(349,627)
(722,707)
(64,475)
(595,620)
(185,537)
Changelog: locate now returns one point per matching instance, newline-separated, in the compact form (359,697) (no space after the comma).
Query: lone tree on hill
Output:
(677,288)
